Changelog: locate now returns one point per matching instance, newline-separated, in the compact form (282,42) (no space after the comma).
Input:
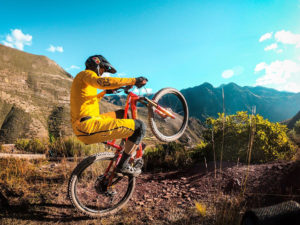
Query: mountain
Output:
(205,100)
(291,122)
(34,95)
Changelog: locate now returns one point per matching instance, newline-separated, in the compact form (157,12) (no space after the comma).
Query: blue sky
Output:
(173,43)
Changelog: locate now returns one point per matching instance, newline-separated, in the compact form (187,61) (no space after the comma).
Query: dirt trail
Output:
(22,156)
(169,197)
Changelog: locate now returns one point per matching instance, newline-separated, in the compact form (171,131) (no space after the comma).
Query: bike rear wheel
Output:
(88,191)
(168,129)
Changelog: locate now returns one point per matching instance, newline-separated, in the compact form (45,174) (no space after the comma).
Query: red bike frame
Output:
(131,101)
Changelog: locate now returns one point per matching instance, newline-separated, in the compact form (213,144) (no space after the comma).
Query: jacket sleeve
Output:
(106,82)
(101,94)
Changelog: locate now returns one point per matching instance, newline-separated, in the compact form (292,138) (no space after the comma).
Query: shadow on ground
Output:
(49,212)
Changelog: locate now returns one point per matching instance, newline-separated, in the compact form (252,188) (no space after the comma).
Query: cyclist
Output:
(92,127)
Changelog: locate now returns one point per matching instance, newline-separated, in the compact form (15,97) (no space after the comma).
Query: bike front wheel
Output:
(165,128)
(88,188)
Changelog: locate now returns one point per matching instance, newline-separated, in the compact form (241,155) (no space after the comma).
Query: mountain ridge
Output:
(205,100)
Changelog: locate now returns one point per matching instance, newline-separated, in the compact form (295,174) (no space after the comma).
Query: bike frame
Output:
(131,102)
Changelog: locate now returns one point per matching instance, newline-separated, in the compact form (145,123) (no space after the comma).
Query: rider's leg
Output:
(118,114)
(103,128)
(130,146)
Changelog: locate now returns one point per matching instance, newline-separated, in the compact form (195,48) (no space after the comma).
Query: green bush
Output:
(31,145)
(71,147)
(268,141)
(166,157)
(201,151)
(58,147)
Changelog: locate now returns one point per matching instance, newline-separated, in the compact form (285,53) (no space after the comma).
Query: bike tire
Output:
(72,187)
(151,114)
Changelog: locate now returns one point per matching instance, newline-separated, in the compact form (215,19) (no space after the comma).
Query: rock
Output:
(232,185)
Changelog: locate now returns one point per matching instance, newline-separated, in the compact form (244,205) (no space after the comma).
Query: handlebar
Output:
(118,90)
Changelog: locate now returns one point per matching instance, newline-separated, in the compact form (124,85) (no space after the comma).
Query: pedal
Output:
(138,163)
(110,193)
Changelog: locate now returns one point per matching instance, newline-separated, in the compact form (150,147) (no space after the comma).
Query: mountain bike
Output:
(94,188)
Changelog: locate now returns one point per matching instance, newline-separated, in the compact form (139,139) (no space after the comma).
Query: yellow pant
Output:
(103,128)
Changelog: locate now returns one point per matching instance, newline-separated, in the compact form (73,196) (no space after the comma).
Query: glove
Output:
(140,81)
(111,91)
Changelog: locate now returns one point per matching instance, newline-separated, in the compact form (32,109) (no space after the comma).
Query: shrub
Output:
(201,151)
(270,141)
(57,147)
(71,147)
(31,145)
(166,157)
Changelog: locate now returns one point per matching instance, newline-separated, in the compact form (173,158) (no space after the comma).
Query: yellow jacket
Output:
(84,98)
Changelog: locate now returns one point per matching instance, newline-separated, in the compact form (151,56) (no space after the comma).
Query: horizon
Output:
(250,43)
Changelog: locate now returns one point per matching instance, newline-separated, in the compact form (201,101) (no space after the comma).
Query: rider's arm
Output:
(107,82)
(101,94)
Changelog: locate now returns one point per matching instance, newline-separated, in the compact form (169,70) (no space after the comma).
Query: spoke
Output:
(180,112)
(176,105)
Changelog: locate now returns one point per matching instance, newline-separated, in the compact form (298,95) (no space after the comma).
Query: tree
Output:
(242,132)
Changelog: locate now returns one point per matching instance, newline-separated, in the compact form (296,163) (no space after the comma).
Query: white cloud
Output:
(143,91)
(265,36)
(55,49)
(121,74)
(73,67)
(227,74)
(287,37)
(281,75)
(271,47)
(105,74)
(17,39)
(260,67)
(147,90)
(237,70)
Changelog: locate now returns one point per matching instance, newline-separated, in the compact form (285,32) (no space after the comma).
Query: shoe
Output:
(128,170)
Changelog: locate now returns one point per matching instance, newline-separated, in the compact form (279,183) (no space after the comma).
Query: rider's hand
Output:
(111,91)
(140,81)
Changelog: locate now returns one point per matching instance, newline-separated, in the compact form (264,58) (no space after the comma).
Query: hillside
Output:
(33,89)
(205,100)
(291,122)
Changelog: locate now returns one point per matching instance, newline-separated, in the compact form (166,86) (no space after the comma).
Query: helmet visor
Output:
(109,68)
(106,65)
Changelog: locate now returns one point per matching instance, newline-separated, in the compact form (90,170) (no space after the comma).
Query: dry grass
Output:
(32,182)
